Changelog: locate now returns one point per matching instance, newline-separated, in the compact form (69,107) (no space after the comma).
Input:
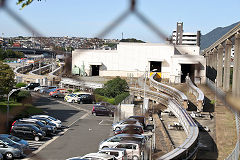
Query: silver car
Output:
(125,122)
(113,141)
(9,152)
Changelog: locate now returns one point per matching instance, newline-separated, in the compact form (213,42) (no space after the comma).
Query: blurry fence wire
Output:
(131,10)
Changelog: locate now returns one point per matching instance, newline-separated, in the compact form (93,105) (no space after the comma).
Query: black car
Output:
(27,131)
(85,98)
(102,110)
(49,130)
(32,85)
(45,121)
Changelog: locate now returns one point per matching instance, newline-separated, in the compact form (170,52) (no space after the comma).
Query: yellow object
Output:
(159,74)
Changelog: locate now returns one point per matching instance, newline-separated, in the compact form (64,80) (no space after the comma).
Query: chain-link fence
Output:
(131,10)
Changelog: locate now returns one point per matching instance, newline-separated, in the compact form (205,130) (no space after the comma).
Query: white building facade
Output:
(134,59)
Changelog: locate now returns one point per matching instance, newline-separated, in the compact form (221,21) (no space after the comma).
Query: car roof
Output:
(25,125)
(98,155)
(129,120)
(113,149)
(28,119)
(129,135)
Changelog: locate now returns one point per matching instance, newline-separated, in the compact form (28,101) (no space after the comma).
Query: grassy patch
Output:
(12,104)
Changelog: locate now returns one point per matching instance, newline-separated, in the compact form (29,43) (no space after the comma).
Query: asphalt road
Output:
(83,131)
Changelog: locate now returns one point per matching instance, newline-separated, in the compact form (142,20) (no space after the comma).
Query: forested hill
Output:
(214,35)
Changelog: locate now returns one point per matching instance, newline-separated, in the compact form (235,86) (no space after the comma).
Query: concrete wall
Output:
(133,58)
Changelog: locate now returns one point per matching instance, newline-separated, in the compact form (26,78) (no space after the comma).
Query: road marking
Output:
(54,138)
(106,124)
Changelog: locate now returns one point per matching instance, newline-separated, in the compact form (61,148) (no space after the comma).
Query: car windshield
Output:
(35,128)
(16,139)
(6,140)
(40,124)
(52,118)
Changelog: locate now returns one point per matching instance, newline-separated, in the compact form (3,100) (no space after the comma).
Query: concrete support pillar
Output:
(210,59)
(219,66)
(236,67)
(226,79)
(215,58)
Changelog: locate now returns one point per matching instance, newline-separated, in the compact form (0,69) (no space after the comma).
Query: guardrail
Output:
(189,148)
(73,82)
(196,92)
(178,95)
(36,71)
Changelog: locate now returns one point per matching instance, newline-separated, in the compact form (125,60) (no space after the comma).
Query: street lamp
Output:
(9,94)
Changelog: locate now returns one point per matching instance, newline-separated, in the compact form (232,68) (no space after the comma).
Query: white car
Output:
(36,89)
(118,153)
(96,156)
(125,122)
(57,122)
(113,141)
(133,149)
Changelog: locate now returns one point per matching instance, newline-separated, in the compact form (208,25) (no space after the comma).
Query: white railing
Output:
(173,92)
(74,82)
(196,92)
(174,100)
(36,71)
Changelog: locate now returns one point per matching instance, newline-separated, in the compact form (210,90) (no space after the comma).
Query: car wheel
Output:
(56,96)
(117,128)
(135,158)
(110,115)
(81,102)
(105,147)
(36,138)
(72,101)
(94,114)
(9,155)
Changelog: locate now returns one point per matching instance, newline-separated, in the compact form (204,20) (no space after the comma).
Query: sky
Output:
(87,18)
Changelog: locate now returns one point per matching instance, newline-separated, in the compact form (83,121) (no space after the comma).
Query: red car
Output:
(130,129)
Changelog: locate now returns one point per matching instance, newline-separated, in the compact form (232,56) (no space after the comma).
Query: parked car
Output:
(57,122)
(32,85)
(60,92)
(15,140)
(72,98)
(114,140)
(49,130)
(36,89)
(133,149)
(27,131)
(45,121)
(9,152)
(118,153)
(1,156)
(140,119)
(102,110)
(98,156)
(119,125)
(130,129)
(85,98)
(48,89)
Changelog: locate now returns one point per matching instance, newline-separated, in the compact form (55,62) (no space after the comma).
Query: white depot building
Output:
(172,62)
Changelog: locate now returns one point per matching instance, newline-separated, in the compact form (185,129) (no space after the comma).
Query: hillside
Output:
(211,37)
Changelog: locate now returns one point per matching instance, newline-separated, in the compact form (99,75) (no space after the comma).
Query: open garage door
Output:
(95,70)
(187,69)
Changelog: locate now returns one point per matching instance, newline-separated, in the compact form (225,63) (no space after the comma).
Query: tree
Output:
(131,40)
(6,78)
(115,87)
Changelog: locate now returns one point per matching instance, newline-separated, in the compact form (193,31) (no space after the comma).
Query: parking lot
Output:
(81,134)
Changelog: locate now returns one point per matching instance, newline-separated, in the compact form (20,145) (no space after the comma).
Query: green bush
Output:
(76,90)
(23,95)
(100,98)
(121,97)
(99,91)
(70,91)
(19,85)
